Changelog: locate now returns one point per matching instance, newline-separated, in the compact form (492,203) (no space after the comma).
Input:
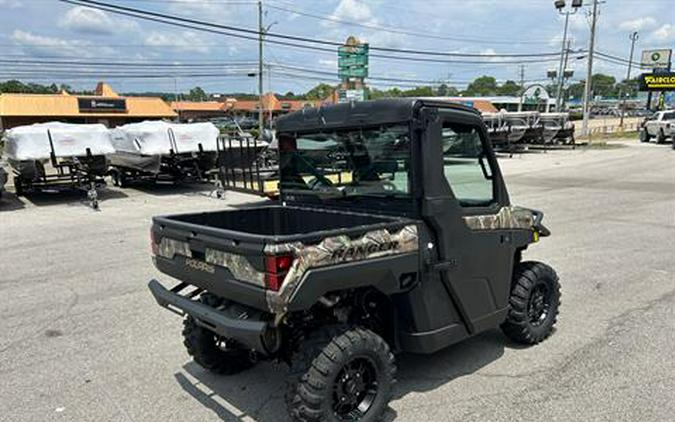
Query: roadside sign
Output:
(348,95)
(348,50)
(353,72)
(657,81)
(535,94)
(657,59)
(353,59)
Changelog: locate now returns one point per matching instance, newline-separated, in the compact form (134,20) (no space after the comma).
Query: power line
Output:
(397,30)
(139,13)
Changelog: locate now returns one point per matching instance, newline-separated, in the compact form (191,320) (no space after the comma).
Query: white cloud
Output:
(92,21)
(200,8)
(331,63)
(186,41)
(638,24)
(40,44)
(352,10)
(665,33)
(12,4)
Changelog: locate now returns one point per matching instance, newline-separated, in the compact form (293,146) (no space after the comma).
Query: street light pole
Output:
(561,6)
(589,72)
(633,38)
(260,70)
(558,103)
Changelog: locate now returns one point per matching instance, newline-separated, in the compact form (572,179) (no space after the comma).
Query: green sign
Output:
(348,50)
(352,61)
(353,72)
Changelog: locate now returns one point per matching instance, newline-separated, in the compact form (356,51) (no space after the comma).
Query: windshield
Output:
(347,164)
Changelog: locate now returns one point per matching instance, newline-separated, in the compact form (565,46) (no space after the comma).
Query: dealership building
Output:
(104,106)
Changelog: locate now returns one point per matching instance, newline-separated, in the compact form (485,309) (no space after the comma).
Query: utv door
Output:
(463,186)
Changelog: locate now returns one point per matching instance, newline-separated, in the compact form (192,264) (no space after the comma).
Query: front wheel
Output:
(534,303)
(661,137)
(341,374)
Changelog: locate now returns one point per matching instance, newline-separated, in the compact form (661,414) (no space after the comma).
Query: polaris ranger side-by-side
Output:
(394,233)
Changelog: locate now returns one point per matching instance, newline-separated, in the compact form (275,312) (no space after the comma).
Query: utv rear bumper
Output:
(251,333)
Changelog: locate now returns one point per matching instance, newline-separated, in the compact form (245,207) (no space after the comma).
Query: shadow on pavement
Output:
(71,197)
(259,392)
(171,188)
(10,202)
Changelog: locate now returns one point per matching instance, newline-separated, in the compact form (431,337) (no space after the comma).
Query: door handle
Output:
(445,265)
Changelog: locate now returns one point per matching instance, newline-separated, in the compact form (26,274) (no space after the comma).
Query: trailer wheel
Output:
(18,186)
(210,351)
(339,374)
(534,303)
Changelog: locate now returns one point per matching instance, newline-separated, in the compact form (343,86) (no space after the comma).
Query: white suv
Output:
(661,126)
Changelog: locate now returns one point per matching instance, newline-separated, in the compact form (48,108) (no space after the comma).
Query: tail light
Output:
(276,268)
(154,245)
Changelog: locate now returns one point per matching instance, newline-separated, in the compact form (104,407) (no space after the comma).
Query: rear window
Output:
(348,164)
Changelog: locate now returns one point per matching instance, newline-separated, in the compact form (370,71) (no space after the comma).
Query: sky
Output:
(181,58)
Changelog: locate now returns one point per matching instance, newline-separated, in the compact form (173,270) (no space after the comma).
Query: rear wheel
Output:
(341,374)
(534,303)
(644,136)
(210,351)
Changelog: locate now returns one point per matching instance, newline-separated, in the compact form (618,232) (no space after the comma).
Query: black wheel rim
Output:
(355,389)
(539,305)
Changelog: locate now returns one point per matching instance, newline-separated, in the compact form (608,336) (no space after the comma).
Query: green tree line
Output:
(605,86)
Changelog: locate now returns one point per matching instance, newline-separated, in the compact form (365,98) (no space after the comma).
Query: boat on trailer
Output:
(56,156)
(160,150)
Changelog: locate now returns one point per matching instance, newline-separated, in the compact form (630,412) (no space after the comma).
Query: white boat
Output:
(156,148)
(76,154)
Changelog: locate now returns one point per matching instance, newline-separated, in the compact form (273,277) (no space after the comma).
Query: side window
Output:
(465,165)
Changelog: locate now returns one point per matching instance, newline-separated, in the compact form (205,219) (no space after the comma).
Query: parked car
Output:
(660,126)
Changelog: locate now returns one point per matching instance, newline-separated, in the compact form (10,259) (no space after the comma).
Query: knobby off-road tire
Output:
(534,303)
(218,355)
(340,373)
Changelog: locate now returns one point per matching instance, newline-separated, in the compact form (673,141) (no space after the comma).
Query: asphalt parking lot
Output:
(81,338)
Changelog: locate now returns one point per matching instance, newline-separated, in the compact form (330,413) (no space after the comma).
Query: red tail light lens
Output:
(276,268)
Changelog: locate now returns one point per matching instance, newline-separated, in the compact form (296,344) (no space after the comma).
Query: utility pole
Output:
(589,72)
(522,87)
(633,38)
(261,31)
(562,95)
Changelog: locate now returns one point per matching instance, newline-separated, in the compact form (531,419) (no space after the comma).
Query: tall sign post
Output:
(661,79)
(352,70)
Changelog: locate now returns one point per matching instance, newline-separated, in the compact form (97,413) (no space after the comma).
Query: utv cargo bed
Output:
(277,223)
(229,252)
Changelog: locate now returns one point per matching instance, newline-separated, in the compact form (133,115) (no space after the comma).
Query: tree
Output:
(627,88)
(320,92)
(484,85)
(445,90)
(603,85)
(197,94)
(509,88)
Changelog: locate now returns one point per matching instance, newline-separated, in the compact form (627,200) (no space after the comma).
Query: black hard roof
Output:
(361,113)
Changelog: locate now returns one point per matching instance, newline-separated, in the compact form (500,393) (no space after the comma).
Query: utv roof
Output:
(361,113)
